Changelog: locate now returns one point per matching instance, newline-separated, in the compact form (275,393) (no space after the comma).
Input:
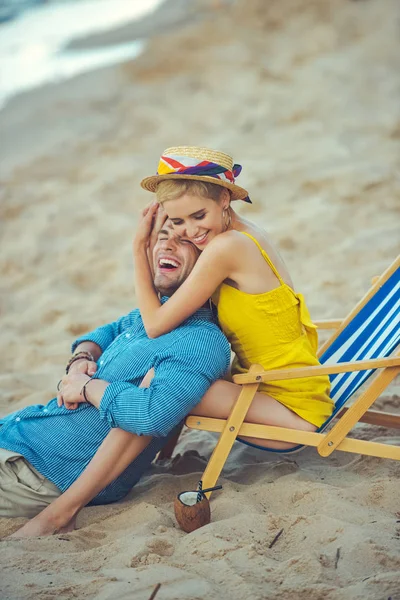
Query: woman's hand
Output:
(158,223)
(152,221)
(147,379)
(70,390)
(141,240)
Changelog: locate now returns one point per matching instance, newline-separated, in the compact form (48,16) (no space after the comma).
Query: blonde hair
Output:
(171,189)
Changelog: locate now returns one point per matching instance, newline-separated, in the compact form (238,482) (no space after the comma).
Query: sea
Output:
(34,35)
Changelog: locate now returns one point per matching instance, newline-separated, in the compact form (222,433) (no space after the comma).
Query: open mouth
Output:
(168,264)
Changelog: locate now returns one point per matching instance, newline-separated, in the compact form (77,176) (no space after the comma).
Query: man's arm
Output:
(103,336)
(183,374)
(178,384)
(114,455)
(94,349)
(94,342)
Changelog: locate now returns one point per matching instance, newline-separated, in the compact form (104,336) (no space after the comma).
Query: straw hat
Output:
(201,164)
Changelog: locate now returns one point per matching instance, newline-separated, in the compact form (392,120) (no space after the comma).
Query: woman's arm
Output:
(215,264)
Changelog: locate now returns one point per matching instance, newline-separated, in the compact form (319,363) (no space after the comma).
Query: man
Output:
(44,449)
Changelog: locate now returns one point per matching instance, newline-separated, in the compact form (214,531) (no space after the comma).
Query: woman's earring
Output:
(227,218)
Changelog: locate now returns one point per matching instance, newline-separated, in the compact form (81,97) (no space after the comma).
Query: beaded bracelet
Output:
(83,391)
(79,356)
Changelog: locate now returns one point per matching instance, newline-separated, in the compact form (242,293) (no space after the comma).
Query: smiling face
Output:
(173,261)
(196,218)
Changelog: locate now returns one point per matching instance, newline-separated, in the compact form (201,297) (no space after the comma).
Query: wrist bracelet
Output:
(83,391)
(79,356)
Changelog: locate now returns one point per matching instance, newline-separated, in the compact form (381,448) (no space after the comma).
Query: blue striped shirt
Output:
(60,443)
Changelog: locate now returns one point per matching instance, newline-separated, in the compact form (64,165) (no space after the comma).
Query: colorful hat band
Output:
(169,165)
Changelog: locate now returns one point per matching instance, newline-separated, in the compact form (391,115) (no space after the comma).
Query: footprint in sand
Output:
(154,552)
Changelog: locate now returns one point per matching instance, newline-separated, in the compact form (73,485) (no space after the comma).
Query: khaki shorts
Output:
(24,492)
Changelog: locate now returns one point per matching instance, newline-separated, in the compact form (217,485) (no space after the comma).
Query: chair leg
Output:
(356,411)
(230,432)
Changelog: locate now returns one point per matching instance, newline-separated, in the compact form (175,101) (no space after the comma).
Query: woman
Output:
(265,320)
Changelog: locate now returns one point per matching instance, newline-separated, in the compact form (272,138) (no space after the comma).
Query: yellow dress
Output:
(274,329)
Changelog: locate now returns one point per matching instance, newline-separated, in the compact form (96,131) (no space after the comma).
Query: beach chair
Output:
(363,343)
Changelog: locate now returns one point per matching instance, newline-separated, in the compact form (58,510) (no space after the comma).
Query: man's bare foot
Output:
(43,525)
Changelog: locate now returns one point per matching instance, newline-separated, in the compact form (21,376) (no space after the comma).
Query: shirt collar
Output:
(203,313)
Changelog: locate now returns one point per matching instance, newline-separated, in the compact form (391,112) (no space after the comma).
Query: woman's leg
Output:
(264,410)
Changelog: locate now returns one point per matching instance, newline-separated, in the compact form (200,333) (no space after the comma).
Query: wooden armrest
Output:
(328,323)
(299,373)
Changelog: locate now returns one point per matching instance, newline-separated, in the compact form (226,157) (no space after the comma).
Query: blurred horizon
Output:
(33,39)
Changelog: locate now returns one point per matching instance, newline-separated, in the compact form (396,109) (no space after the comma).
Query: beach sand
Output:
(305,95)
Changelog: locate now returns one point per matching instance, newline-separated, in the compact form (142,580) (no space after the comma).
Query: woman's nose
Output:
(190,231)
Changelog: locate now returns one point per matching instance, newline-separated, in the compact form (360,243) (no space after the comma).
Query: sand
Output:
(305,94)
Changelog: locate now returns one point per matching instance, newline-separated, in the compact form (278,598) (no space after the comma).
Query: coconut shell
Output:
(190,518)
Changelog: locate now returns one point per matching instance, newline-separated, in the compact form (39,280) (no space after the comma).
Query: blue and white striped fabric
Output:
(373,333)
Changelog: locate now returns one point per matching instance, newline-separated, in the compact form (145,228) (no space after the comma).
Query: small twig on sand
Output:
(155,591)
(337,557)
(276,538)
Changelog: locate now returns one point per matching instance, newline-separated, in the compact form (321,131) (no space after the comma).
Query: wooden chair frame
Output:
(325,443)
(336,438)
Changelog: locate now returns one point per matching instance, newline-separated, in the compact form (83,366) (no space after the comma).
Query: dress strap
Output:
(265,256)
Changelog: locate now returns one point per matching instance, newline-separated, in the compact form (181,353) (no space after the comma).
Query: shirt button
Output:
(18,419)
(101,362)
(45,410)
(128,335)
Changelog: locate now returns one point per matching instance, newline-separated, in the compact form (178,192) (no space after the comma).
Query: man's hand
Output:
(83,365)
(70,390)
(45,524)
